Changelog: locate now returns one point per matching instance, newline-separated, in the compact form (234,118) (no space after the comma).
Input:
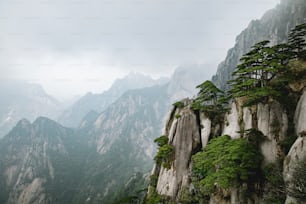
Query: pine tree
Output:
(262,73)
(297,41)
(210,99)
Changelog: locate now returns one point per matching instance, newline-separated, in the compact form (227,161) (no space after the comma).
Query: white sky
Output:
(75,46)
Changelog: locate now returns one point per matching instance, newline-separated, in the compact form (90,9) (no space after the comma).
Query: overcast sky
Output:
(75,46)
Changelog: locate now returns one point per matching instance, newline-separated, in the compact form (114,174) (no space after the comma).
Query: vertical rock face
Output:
(186,141)
(205,129)
(273,123)
(190,131)
(300,115)
(297,152)
(271,119)
(231,126)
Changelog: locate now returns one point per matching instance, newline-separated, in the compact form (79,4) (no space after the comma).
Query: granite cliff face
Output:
(191,131)
(281,124)
(297,152)
(186,141)
(274,26)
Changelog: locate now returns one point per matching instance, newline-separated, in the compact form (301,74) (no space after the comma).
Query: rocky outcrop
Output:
(273,123)
(189,131)
(273,119)
(274,26)
(186,141)
(231,122)
(297,153)
(300,116)
(206,129)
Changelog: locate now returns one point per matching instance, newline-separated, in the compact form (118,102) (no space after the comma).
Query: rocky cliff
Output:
(269,166)
(274,26)
(189,132)
(297,153)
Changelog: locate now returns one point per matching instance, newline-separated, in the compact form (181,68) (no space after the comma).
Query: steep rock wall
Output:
(186,141)
(273,123)
(297,152)
(189,131)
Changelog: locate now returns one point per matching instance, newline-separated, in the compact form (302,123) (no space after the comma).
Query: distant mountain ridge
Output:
(32,162)
(23,100)
(108,152)
(99,102)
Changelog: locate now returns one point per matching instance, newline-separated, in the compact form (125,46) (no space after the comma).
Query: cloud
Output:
(79,40)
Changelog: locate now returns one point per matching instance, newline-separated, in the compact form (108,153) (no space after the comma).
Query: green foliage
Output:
(255,136)
(297,185)
(162,140)
(274,192)
(297,70)
(259,67)
(179,104)
(297,41)
(153,180)
(210,99)
(264,72)
(225,163)
(153,197)
(186,197)
(177,116)
(287,143)
(165,155)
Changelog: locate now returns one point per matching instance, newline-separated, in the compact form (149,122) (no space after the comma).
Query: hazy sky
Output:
(75,46)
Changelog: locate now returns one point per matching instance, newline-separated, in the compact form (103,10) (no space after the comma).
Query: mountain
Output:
(122,136)
(193,132)
(240,152)
(184,80)
(23,100)
(274,26)
(107,158)
(99,102)
(38,163)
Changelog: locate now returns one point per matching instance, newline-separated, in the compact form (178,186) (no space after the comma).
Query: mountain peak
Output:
(23,123)
(44,121)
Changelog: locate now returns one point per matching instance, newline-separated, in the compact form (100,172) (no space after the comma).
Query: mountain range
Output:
(106,152)
(20,99)
(100,157)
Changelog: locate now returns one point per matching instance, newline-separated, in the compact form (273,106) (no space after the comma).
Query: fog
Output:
(75,46)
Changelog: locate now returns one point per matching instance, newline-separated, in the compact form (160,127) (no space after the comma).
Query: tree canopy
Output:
(224,163)
(297,41)
(263,72)
(210,99)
